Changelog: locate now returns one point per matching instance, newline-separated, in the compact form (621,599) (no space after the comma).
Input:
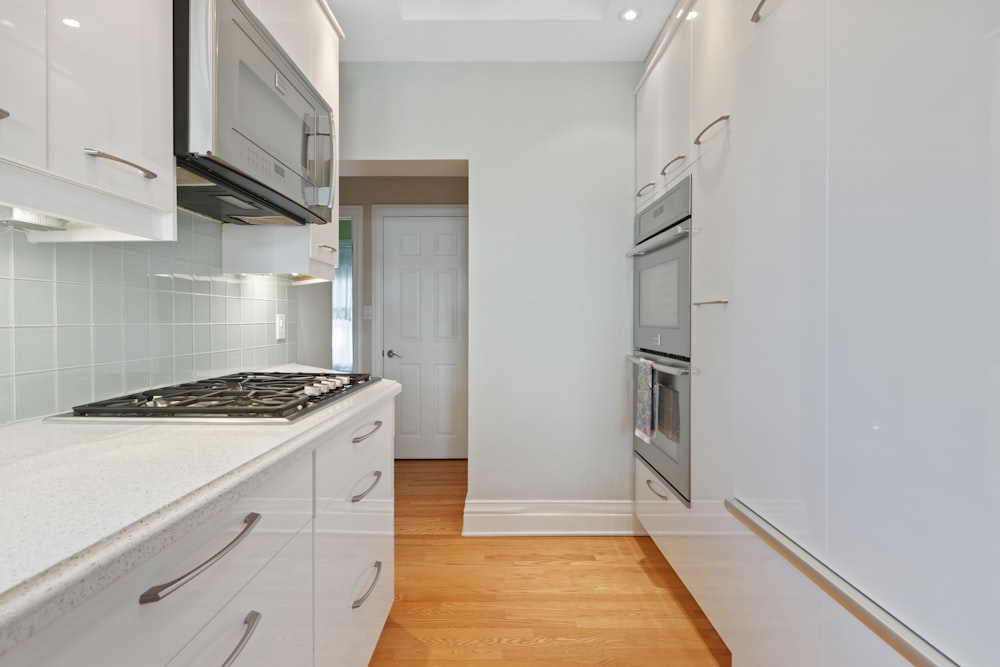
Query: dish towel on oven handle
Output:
(644,401)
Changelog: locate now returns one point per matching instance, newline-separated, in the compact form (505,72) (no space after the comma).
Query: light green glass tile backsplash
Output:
(85,321)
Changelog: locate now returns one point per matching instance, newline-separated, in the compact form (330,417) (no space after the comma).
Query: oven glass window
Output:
(658,295)
(668,413)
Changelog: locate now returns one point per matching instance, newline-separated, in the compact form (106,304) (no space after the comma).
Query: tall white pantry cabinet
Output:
(859,210)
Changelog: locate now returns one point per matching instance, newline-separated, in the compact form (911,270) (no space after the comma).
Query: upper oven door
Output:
(251,108)
(661,307)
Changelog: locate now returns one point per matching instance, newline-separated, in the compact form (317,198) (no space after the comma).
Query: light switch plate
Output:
(279,327)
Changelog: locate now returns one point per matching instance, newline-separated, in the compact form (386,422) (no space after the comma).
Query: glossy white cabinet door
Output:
(914,288)
(714,36)
(273,614)
(647,138)
(674,72)
(354,529)
(22,81)
(779,259)
(110,90)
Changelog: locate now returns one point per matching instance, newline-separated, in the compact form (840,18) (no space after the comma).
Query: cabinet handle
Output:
(697,140)
(756,13)
(327,247)
(378,573)
(362,438)
(93,152)
(643,189)
(663,172)
(656,493)
(710,303)
(251,621)
(361,496)
(4,114)
(157,593)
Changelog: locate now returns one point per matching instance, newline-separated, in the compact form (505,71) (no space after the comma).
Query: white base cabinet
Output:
(316,566)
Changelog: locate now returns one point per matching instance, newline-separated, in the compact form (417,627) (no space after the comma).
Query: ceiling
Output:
(498,30)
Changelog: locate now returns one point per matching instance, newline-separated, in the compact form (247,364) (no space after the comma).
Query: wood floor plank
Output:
(532,601)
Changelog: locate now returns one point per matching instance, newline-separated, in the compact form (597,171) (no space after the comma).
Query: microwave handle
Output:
(658,241)
(323,126)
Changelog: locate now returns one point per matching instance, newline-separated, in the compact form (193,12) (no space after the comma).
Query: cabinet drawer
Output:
(281,594)
(113,628)
(341,463)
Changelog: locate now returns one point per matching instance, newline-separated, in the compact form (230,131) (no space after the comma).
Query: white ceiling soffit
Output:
(497,30)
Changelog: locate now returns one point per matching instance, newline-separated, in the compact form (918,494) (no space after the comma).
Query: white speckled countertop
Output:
(83,504)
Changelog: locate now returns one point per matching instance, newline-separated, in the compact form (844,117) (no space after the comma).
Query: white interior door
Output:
(425,326)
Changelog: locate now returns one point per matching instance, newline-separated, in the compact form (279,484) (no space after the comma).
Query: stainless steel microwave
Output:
(255,142)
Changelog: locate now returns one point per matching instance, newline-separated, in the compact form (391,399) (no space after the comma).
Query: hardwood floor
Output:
(550,601)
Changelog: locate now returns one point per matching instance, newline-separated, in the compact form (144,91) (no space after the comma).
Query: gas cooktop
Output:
(238,398)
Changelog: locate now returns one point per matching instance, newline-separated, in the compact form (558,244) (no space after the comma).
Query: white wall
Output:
(550,150)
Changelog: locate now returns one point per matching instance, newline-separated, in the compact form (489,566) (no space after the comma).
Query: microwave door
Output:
(268,128)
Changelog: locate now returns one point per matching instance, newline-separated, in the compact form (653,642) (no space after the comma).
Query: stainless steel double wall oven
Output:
(662,333)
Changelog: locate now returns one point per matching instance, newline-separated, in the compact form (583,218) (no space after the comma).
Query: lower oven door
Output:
(669,450)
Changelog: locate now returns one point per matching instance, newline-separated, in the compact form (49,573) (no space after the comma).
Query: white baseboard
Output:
(545,517)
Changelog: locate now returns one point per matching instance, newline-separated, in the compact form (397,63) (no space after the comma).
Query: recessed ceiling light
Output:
(691,15)
(629,14)
(72,23)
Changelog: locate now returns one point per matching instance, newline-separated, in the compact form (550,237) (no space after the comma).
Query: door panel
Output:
(425,325)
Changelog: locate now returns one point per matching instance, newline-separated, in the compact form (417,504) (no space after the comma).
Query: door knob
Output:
(392,354)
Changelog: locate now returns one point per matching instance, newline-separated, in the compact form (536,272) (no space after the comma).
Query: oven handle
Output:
(669,370)
(659,241)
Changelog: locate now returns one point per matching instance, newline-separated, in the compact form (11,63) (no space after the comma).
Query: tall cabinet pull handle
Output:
(663,172)
(361,496)
(697,140)
(756,13)
(362,438)
(251,621)
(378,573)
(93,152)
(710,303)
(4,114)
(656,493)
(157,593)
(643,189)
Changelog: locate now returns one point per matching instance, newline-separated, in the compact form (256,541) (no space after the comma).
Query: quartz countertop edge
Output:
(57,587)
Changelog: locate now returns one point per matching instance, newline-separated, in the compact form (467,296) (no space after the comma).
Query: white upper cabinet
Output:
(22,82)
(88,138)
(714,36)
(674,73)
(647,144)
(110,92)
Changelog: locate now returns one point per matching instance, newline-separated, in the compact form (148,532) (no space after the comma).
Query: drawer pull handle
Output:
(93,152)
(251,621)
(4,114)
(663,172)
(756,13)
(157,593)
(697,140)
(378,573)
(324,246)
(643,189)
(362,438)
(361,496)
(656,493)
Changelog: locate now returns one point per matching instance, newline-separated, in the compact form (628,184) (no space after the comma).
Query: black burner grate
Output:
(244,395)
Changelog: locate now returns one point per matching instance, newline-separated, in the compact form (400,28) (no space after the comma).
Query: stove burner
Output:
(281,396)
